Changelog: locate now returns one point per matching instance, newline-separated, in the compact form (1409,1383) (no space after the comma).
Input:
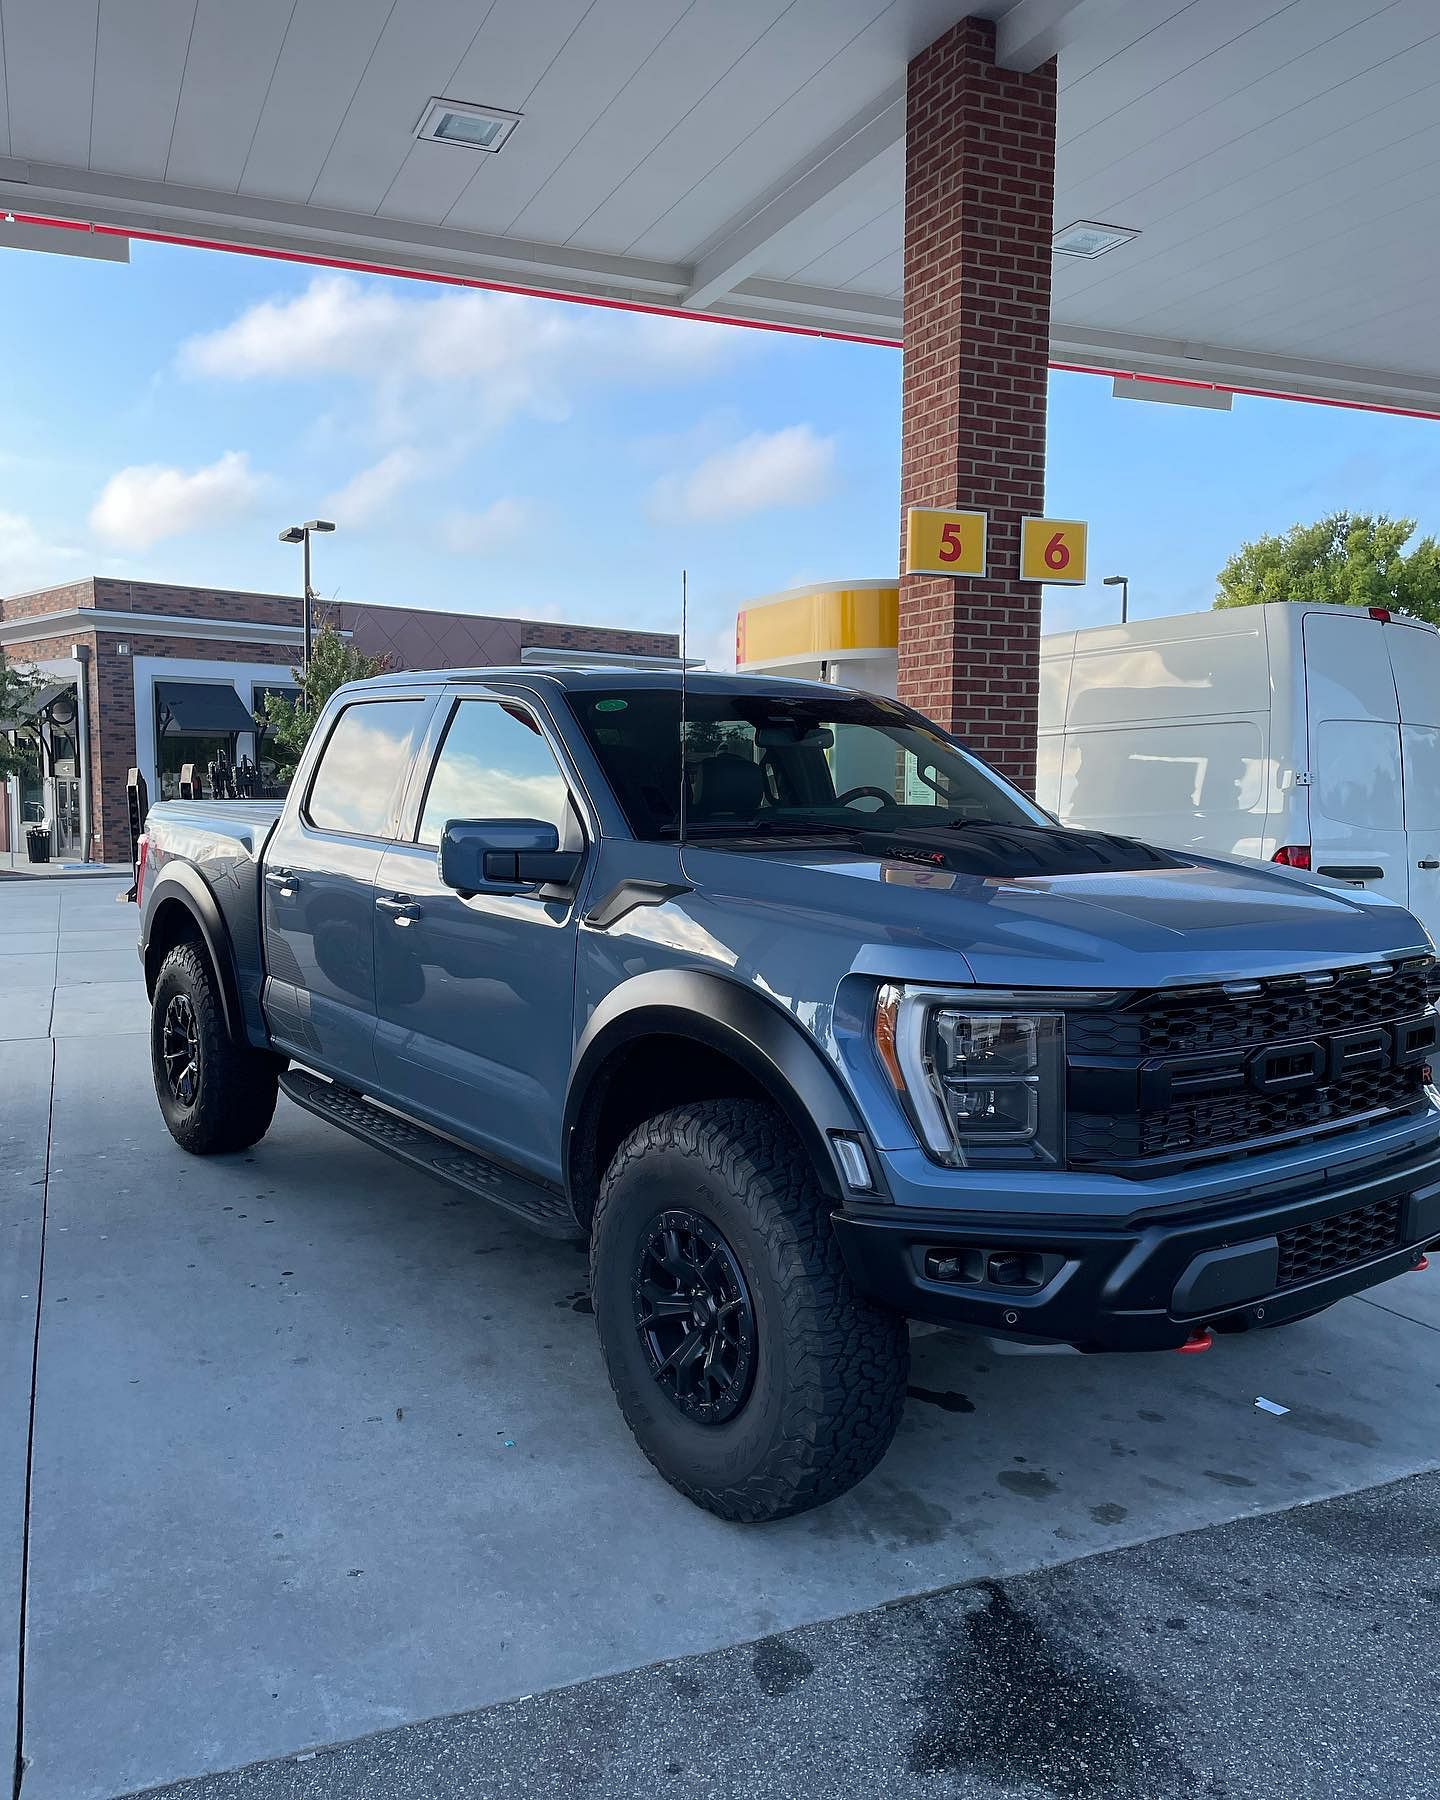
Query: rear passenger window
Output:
(493,764)
(362,764)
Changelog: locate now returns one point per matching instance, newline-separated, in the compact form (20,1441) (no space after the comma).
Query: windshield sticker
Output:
(612,705)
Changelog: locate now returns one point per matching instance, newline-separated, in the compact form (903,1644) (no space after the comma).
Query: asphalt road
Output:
(1290,1656)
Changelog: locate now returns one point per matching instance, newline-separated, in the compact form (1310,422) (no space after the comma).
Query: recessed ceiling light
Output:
(1086,238)
(465,126)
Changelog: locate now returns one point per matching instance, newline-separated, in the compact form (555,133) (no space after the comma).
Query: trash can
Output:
(37,843)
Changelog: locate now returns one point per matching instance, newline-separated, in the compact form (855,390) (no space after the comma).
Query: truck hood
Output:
(1189,919)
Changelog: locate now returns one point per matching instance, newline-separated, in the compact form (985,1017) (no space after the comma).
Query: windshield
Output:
(758,763)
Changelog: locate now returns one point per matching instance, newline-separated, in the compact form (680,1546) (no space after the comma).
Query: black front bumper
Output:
(1151,1284)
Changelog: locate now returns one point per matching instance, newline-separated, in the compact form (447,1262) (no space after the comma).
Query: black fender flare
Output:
(742,1024)
(179,884)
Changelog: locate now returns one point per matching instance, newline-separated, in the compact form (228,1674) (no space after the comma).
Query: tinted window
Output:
(493,764)
(364,760)
(784,763)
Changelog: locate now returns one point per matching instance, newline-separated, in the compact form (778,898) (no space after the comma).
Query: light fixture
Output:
(465,126)
(1086,238)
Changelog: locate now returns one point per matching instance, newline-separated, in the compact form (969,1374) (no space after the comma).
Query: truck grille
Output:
(1171,1079)
(1168,1024)
(1326,1246)
(1210,1127)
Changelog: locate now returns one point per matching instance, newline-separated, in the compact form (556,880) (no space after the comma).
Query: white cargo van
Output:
(1307,735)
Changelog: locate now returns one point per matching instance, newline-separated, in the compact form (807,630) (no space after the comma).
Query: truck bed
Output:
(184,827)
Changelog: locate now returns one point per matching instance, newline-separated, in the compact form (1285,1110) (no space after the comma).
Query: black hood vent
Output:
(1011,852)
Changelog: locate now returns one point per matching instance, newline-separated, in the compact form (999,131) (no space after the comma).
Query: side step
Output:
(538,1206)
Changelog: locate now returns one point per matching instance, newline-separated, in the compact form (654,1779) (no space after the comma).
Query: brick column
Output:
(979,218)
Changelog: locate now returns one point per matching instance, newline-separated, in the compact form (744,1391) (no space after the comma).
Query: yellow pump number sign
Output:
(944,543)
(1053,550)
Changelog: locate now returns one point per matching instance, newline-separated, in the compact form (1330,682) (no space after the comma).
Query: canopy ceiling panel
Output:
(745,158)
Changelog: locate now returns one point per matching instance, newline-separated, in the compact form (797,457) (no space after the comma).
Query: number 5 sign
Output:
(944,543)
(1053,550)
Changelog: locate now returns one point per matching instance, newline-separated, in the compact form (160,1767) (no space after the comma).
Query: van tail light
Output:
(1382,613)
(1293,856)
(142,856)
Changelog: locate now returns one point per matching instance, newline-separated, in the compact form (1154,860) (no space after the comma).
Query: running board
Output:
(426,1151)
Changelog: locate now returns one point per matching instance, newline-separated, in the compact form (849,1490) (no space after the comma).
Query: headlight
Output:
(982,1084)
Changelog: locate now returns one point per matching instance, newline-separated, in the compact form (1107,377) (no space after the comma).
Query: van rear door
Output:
(1357,820)
(1415,659)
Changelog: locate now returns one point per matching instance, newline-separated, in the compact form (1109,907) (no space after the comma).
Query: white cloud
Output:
(27,557)
(365,497)
(482,533)
(141,505)
(501,353)
(790,467)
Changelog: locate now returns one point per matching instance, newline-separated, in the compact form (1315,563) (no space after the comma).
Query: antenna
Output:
(684,659)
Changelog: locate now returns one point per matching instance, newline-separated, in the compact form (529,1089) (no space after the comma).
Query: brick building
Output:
(151,675)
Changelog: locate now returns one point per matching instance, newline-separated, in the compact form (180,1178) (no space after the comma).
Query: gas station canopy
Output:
(1269,167)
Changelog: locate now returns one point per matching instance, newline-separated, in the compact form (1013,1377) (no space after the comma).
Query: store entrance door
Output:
(67,817)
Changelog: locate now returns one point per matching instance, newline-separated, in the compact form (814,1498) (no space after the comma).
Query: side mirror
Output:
(476,854)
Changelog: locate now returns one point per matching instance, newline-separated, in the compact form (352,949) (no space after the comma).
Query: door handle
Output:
(1428,862)
(285,879)
(401,908)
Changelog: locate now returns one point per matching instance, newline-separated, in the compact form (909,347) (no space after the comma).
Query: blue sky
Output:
(490,453)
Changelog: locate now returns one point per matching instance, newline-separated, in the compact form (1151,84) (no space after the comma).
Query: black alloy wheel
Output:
(694,1316)
(180,1048)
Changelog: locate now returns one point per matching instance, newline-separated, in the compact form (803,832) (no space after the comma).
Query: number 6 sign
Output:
(1053,550)
(944,543)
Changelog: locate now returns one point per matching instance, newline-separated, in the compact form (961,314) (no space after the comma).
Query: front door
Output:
(318,880)
(474,995)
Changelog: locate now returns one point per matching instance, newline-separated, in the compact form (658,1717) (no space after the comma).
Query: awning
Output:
(36,705)
(201,706)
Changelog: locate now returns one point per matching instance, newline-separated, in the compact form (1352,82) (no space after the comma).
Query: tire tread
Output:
(847,1358)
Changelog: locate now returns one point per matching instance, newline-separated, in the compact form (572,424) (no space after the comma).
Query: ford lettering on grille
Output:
(1286,1068)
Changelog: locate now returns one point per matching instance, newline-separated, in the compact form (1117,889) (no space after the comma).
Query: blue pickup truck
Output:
(809,1024)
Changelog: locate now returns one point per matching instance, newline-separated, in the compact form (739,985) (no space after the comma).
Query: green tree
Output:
(1345,559)
(288,723)
(17,687)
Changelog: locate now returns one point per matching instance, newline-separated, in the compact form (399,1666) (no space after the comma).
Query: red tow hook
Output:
(1420,1267)
(1196,1342)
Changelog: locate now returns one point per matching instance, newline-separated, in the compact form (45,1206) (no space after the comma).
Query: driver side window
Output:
(493,763)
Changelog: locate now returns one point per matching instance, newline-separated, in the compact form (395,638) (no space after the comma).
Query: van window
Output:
(1357,772)
(1420,746)
(1415,658)
(1347,669)
(363,762)
(1202,675)
(1162,772)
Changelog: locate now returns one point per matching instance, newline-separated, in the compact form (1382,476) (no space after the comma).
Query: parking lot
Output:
(296,1447)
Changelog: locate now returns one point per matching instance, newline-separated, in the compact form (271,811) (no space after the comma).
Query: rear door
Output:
(1357,817)
(318,877)
(1415,658)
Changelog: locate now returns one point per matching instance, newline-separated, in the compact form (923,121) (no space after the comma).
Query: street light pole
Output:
(1123,583)
(300,534)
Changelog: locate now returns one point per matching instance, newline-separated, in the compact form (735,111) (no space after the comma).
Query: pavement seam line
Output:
(1424,1324)
(19,1771)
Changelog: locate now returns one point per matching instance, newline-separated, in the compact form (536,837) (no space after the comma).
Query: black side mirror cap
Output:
(504,853)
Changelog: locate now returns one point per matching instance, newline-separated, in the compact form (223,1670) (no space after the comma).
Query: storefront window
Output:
(181,747)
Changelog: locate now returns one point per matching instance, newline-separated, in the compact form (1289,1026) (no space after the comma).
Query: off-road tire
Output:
(830,1367)
(234,1098)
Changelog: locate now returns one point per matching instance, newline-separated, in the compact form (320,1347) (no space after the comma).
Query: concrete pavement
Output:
(1290,1656)
(321,1449)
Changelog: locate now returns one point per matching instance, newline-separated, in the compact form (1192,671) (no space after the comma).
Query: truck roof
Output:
(697,681)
